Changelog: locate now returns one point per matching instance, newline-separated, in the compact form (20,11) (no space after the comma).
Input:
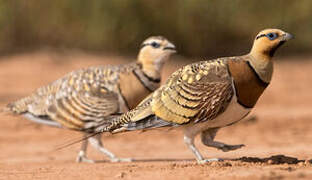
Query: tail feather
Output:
(42,120)
(139,118)
(11,108)
(149,122)
(97,126)
(142,111)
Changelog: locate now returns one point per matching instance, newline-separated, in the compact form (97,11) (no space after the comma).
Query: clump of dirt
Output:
(276,159)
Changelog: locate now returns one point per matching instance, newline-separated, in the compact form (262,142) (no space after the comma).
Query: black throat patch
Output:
(272,51)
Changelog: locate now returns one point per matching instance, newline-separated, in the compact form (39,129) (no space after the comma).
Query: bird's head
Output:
(155,51)
(268,41)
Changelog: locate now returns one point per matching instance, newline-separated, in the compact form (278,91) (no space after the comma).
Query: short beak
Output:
(287,37)
(170,47)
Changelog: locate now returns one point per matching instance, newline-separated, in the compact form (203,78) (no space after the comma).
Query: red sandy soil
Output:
(277,135)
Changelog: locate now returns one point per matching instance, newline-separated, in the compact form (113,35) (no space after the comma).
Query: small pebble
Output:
(308,162)
(301,164)
(121,175)
(227,164)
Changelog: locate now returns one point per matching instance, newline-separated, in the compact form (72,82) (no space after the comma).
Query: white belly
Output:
(233,113)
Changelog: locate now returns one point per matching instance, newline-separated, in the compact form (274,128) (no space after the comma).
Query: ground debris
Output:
(121,175)
(276,159)
(308,162)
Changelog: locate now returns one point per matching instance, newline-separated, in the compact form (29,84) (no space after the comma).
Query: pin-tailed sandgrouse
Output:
(83,98)
(205,96)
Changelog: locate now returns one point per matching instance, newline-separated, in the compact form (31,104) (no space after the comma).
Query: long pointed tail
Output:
(149,122)
(140,118)
(142,111)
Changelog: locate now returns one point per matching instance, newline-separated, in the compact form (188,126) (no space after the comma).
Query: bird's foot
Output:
(226,147)
(204,161)
(84,159)
(121,159)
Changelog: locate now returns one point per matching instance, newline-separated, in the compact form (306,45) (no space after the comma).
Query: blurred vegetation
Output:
(198,28)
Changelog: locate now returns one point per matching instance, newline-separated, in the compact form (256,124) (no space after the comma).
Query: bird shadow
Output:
(275,159)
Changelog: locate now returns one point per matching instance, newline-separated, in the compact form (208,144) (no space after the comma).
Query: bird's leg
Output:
(189,136)
(189,141)
(82,153)
(207,138)
(97,144)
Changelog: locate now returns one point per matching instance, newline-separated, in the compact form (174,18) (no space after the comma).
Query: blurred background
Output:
(199,28)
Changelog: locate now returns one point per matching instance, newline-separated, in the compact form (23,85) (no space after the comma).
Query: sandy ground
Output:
(278,136)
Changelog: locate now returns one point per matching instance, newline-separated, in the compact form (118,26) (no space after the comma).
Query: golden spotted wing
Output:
(197,92)
(85,99)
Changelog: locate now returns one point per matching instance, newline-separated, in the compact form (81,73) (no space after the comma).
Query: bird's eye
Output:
(155,44)
(272,36)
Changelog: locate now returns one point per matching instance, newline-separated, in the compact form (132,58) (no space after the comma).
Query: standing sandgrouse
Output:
(81,99)
(205,96)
